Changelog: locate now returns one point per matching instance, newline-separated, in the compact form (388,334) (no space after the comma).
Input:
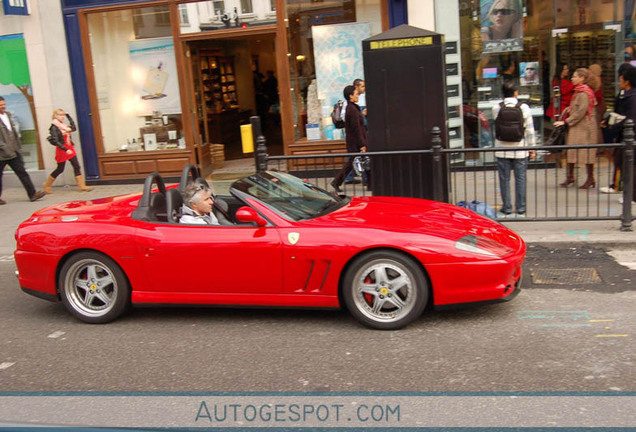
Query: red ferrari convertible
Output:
(282,242)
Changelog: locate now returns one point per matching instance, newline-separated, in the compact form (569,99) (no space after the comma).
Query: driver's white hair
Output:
(193,192)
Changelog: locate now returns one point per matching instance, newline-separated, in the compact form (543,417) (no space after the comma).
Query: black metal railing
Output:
(472,176)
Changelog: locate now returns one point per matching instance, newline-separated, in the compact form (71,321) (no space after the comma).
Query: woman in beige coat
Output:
(582,129)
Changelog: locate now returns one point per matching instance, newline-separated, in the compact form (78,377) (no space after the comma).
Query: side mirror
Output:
(248,214)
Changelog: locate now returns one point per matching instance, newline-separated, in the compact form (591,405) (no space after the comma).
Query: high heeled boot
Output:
(569,176)
(81,184)
(48,183)
(590,182)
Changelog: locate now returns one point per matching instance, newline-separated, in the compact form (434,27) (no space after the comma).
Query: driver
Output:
(197,206)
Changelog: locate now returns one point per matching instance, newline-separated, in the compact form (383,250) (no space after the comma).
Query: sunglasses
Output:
(503,11)
(530,68)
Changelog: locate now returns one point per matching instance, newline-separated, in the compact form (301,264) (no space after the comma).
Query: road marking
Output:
(602,320)
(6,365)
(7,258)
(581,234)
(612,335)
(56,334)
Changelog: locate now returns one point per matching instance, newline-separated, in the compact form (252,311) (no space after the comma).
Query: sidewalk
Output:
(563,234)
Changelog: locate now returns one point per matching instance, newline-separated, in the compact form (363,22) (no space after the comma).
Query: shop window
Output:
(229,14)
(162,16)
(135,73)
(325,56)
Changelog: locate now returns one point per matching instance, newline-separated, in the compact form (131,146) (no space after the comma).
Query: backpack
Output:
(509,123)
(336,115)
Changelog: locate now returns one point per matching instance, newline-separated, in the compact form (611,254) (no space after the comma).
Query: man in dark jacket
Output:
(356,133)
(625,105)
(614,132)
(10,154)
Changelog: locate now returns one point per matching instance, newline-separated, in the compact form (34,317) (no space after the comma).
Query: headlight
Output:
(482,246)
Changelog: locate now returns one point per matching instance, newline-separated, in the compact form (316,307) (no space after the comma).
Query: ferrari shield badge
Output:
(293,237)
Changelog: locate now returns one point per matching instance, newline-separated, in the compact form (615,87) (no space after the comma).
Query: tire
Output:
(385,290)
(93,288)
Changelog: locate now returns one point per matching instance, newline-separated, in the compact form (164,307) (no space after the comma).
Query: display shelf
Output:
(218,82)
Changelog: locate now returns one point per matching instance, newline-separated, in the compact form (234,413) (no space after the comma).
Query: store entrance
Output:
(232,80)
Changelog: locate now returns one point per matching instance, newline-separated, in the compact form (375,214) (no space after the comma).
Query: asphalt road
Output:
(552,337)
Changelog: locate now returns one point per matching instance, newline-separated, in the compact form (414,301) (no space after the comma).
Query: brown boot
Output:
(590,182)
(570,176)
(48,183)
(81,184)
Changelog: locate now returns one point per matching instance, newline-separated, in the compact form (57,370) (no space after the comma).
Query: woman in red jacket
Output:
(60,136)
(562,81)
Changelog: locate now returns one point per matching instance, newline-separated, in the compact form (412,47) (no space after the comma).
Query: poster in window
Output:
(154,76)
(529,73)
(502,26)
(338,58)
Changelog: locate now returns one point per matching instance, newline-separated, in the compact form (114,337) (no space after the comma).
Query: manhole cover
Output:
(565,276)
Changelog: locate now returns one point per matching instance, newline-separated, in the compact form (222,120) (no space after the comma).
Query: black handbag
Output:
(557,137)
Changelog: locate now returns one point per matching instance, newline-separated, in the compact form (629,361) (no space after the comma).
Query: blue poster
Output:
(338,58)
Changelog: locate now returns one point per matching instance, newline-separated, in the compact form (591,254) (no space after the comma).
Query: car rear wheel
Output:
(385,290)
(93,288)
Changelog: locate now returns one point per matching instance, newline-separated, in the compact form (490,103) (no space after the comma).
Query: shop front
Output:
(164,83)
(529,42)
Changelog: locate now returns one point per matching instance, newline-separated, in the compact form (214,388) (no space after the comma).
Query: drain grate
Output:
(565,276)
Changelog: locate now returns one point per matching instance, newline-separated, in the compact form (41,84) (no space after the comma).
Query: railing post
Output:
(438,181)
(628,174)
(260,151)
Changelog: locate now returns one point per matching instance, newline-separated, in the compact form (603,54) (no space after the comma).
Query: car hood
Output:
(417,216)
(102,208)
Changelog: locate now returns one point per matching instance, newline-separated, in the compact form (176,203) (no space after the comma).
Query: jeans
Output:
(17,165)
(519,166)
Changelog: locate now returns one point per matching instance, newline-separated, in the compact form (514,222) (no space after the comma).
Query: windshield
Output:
(288,195)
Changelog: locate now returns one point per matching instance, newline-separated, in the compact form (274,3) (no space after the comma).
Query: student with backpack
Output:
(513,128)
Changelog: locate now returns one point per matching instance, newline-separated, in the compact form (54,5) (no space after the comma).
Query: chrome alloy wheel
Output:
(90,288)
(384,290)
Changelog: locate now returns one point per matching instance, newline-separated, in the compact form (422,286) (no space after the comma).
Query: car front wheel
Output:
(385,290)
(93,288)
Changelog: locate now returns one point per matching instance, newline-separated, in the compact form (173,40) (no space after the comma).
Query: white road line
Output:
(6,365)
(56,334)
(6,258)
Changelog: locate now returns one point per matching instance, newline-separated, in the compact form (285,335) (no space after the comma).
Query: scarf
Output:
(590,94)
(64,128)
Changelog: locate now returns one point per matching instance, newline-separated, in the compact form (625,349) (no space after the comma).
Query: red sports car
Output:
(282,242)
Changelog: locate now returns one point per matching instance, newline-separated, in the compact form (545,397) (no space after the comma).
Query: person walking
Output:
(10,154)
(361,87)
(60,137)
(356,133)
(582,129)
(513,128)
(624,105)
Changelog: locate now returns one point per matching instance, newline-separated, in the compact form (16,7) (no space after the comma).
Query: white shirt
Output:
(529,135)
(6,121)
